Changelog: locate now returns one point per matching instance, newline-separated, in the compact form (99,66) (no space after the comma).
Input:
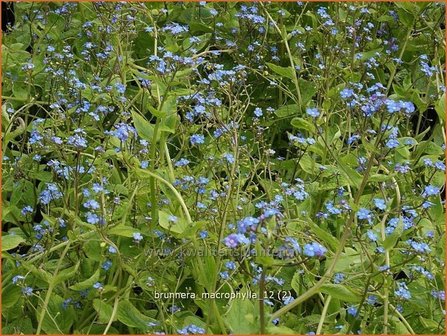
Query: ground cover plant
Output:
(190,168)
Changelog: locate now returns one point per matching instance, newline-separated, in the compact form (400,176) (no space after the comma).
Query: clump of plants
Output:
(192,168)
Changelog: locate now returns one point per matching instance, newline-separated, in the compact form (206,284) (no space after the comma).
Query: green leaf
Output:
(11,241)
(391,240)
(287,110)
(307,90)
(308,164)
(123,231)
(325,236)
(241,317)
(144,128)
(155,112)
(10,296)
(295,283)
(282,71)
(88,283)
(66,274)
(57,320)
(131,316)
(20,90)
(406,17)
(398,327)
(177,227)
(283,330)
(303,124)
(340,292)
(440,108)
(433,326)
(43,176)
(22,326)
(104,311)
(348,260)
(37,272)
(354,178)
(207,278)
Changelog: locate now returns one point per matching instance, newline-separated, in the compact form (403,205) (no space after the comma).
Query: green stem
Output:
(323,314)
(393,72)
(283,34)
(176,193)
(261,303)
(403,319)
(112,317)
(50,290)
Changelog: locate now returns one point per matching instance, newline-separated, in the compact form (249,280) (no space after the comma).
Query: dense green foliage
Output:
(278,167)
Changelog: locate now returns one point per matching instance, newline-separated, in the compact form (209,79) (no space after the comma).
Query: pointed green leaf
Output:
(340,292)
(11,241)
(88,283)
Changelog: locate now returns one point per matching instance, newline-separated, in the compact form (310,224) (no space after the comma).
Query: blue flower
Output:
(98,285)
(137,236)
(92,218)
(346,93)
(106,265)
(191,329)
(314,250)
(392,143)
(402,168)
(331,209)
(427,162)
(380,203)
(288,299)
(91,204)
(56,140)
(440,165)
(258,112)
(234,240)
(418,247)
(120,88)
(231,265)
(28,67)
(338,278)
(313,112)
(402,291)
(49,194)
(197,139)
(427,204)
(17,278)
(175,28)
(392,106)
(371,235)
(248,223)
(352,310)
(364,214)
(28,291)
(27,210)
(182,162)
(352,139)
(228,157)
(224,275)
(294,244)
(123,131)
(430,190)
(173,218)
(77,141)
(371,300)
(438,294)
